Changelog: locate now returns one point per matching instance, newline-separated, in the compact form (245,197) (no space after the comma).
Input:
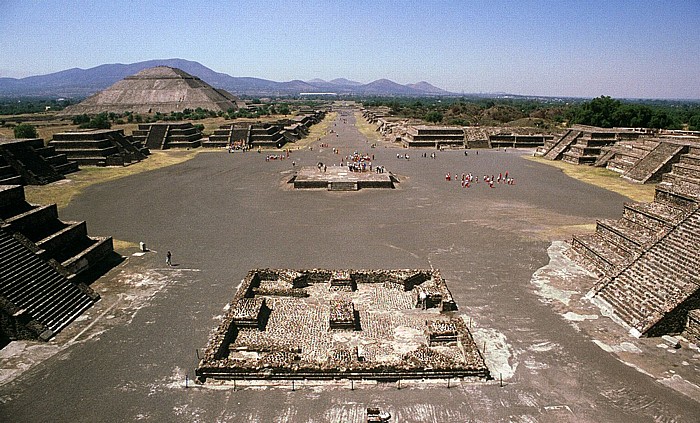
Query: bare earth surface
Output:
(221,215)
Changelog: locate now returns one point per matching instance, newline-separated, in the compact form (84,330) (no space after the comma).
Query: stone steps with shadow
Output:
(37,292)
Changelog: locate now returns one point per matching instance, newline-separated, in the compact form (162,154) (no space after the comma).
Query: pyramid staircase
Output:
(36,299)
(553,150)
(655,163)
(589,147)
(222,137)
(626,154)
(42,260)
(161,136)
(648,259)
(156,137)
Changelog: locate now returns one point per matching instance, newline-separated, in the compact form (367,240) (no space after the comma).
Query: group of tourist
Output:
(276,157)
(237,145)
(467,179)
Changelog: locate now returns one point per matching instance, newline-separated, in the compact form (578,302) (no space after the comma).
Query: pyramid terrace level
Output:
(328,324)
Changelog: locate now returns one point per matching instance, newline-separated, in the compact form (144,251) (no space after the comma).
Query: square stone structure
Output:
(295,324)
(337,178)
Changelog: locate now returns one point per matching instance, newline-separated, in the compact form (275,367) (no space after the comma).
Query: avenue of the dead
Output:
(552,355)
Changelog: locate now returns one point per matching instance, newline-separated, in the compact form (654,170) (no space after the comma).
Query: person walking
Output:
(168,258)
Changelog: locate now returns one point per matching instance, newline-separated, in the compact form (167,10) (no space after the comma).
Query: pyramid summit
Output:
(161,89)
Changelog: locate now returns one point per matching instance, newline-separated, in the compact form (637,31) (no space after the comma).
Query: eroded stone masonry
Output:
(355,324)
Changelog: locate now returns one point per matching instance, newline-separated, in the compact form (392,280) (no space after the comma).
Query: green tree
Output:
(283,109)
(694,122)
(25,130)
(433,116)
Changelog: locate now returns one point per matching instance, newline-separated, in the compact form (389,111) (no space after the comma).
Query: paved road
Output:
(223,214)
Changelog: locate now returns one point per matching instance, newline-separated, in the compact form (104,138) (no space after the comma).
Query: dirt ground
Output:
(555,358)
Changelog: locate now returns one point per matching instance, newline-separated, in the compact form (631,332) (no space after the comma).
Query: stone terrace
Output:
(433,136)
(29,161)
(161,136)
(648,256)
(101,147)
(378,326)
(40,257)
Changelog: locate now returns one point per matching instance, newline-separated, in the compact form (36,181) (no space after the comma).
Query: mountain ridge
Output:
(77,82)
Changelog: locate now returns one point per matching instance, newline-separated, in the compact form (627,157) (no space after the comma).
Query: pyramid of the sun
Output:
(159,89)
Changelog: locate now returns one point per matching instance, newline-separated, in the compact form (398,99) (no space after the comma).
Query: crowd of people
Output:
(467,179)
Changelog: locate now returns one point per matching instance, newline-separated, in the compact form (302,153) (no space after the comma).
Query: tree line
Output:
(546,113)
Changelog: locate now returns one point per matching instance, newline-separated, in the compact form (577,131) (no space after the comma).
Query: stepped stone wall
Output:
(649,258)
(165,135)
(692,331)
(40,260)
(52,239)
(29,161)
(101,147)
(656,162)
(518,141)
(433,136)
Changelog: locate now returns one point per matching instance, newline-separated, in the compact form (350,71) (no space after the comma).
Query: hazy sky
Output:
(647,49)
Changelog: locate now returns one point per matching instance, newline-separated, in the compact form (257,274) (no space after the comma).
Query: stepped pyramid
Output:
(649,258)
(45,265)
(159,89)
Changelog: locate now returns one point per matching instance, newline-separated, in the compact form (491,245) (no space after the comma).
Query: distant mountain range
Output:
(79,83)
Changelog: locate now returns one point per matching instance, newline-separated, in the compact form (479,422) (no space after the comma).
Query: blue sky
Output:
(630,49)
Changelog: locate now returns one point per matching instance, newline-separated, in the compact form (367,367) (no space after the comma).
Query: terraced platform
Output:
(309,324)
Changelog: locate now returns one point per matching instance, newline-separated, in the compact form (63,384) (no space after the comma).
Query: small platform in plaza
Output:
(337,178)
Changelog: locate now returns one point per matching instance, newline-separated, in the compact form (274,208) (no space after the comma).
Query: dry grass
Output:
(603,178)
(63,191)
(366,128)
(317,131)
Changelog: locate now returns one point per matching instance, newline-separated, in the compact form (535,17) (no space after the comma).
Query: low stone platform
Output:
(379,331)
(336,178)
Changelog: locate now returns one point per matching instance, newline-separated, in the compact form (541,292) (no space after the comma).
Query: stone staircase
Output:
(588,148)
(626,154)
(156,137)
(654,293)
(130,151)
(655,163)
(556,150)
(38,301)
(8,174)
(221,137)
(50,238)
(161,136)
(648,259)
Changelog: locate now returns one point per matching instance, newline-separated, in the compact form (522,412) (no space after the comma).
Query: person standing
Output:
(168,258)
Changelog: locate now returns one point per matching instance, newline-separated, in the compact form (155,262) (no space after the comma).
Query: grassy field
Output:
(367,129)
(317,131)
(603,178)
(63,191)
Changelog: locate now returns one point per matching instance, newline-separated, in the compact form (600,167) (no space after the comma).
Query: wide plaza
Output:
(553,357)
